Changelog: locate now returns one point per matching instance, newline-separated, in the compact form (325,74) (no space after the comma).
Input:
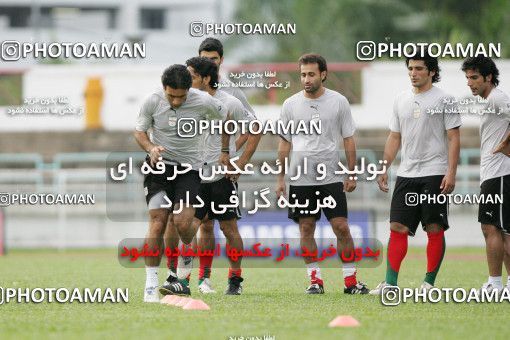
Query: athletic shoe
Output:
(425,287)
(315,288)
(358,288)
(378,290)
(150,295)
(234,286)
(177,288)
(172,278)
(489,287)
(184,266)
(205,287)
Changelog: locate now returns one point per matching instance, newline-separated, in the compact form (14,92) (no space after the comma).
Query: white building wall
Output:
(126,86)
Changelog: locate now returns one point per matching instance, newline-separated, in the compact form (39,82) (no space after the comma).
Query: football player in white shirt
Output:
(482,78)
(212,49)
(317,103)
(425,126)
(161,112)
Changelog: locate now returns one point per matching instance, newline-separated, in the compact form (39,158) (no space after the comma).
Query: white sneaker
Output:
(151,295)
(489,287)
(206,287)
(425,287)
(378,290)
(184,267)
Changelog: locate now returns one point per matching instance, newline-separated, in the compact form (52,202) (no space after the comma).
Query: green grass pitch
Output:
(273,302)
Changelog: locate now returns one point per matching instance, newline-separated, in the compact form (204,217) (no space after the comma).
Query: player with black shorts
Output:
(425,125)
(216,191)
(212,49)
(494,215)
(318,103)
(161,113)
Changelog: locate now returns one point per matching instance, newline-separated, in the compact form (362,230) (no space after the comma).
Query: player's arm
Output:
(215,109)
(452,124)
(143,123)
(390,153)
(253,142)
(284,147)
(242,114)
(225,144)
(504,146)
(152,149)
(347,130)
(448,183)
(241,140)
(350,155)
(251,146)
(283,152)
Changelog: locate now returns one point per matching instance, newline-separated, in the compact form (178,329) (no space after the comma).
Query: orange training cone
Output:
(182,301)
(176,300)
(196,305)
(344,321)
(166,299)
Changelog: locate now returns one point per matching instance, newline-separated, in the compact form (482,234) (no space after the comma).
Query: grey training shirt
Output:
(493,128)
(333,111)
(423,120)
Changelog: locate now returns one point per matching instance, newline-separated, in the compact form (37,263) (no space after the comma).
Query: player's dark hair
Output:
(312,58)
(484,65)
(432,63)
(205,67)
(211,45)
(176,77)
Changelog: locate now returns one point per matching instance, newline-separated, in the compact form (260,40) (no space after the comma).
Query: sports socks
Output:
(397,250)
(435,254)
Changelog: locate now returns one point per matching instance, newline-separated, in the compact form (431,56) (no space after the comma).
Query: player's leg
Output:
(494,249)
(435,221)
(404,220)
(345,244)
(171,238)
(186,190)
(506,259)
(397,251)
(505,221)
(206,241)
(308,243)
(156,187)
(234,241)
(221,192)
(154,240)
(436,248)
(337,217)
(186,229)
(307,224)
(178,281)
(490,216)
(203,237)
